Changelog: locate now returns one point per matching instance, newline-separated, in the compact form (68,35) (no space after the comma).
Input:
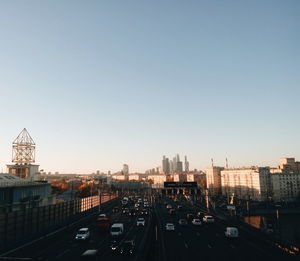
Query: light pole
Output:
(99,195)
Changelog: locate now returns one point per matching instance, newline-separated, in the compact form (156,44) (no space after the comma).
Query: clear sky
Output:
(102,83)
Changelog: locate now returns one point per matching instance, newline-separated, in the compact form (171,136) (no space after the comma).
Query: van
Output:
(231,232)
(117,229)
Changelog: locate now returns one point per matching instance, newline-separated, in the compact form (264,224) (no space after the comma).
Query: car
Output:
(196,222)
(83,234)
(125,211)
(132,212)
(170,227)
(169,206)
(113,245)
(231,232)
(172,211)
(179,207)
(189,216)
(136,205)
(200,215)
(90,254)
(115,209)
(144,212)
(128,247)
(208,219)
(182,222)
(140,222)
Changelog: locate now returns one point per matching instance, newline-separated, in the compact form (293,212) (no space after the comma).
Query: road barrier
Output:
(25,225)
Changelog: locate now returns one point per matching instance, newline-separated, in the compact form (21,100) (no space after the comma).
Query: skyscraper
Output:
(125,169)
(186,164)
(165,165)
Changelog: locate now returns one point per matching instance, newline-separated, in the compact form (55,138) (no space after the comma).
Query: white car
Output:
(83,234)
(232,232)
(169,206)
(208,219)
(102,215)
(170,227)
(140,222)
(196,222)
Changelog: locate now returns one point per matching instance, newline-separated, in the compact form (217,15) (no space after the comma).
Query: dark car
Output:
(172,211)
(179,207)
(144,212)
(189,216)
(114,245)
(127,248)
(132,212)
(182,222)
(115,209)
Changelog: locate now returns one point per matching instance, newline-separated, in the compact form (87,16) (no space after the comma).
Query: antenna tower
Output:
(23,149)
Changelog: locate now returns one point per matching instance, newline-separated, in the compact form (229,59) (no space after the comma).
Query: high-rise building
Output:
(165,165)
(125,169)
(186,165)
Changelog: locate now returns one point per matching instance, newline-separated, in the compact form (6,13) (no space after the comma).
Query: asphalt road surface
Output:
(153,241)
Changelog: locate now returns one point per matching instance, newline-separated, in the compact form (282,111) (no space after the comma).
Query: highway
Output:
(207,241)
(153,242)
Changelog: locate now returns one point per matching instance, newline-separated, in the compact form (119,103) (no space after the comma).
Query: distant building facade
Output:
(285,180)
(246,183)
(213,180)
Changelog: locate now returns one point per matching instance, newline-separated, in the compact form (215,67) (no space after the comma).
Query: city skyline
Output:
(99,85)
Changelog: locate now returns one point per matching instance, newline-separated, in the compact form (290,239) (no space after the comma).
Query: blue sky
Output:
(102,83)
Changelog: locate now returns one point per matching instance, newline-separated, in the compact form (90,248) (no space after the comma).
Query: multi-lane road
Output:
(153,241)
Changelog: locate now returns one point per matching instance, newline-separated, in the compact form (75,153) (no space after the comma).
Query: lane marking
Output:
(198,234)
(179,234)
(185,244)
(63,253)
(209,245)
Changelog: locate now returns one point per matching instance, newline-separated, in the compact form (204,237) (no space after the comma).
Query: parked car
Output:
(169,206)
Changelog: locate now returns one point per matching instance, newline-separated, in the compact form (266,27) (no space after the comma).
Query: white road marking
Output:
(179,234)
(63,253)
(198,234)
(209,245)
(185,245)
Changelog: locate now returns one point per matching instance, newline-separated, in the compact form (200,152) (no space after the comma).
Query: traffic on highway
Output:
(151,227)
